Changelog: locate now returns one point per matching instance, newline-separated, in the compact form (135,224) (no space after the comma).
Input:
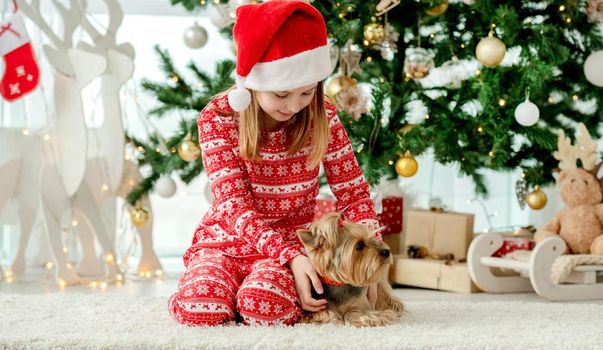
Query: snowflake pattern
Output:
(255,213)
(282,170)
(202,289)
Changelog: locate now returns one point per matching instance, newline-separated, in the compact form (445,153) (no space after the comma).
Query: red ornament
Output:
(21,72)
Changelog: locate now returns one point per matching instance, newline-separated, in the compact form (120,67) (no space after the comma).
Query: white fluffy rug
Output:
(94,321)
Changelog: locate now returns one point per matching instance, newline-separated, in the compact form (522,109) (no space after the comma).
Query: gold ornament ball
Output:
(338,83)
(490,51)
(407,128)
(438,10)
(536,199)
(140,217)
(188,150)
(407,166)
(374,33)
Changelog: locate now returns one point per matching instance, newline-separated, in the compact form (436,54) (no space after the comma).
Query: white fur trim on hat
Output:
(291,72)
(239,98)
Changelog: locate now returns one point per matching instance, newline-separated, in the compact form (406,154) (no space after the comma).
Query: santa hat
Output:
(282,45)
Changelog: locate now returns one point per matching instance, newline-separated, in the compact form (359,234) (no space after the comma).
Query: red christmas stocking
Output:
(21,72)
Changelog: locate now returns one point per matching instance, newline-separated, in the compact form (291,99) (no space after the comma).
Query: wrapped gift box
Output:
(323,207)
(394,242)
(390,218)
(441,232)
(433,274)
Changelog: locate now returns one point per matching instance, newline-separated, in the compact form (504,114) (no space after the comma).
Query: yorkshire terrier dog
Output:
(348,258)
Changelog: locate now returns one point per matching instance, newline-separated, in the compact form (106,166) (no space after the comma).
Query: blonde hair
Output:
(313,118)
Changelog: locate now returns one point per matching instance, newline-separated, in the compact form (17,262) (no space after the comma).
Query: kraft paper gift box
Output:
(432,274)
(441,232)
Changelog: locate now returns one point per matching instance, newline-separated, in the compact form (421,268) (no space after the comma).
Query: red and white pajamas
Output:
(236,267)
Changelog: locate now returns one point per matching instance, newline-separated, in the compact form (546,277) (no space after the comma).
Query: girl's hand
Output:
(371,293)
(305,276)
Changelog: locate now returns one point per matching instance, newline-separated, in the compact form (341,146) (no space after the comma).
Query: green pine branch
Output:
(552,43)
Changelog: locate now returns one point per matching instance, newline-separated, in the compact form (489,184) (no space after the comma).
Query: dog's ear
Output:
(329,224)
(308,239)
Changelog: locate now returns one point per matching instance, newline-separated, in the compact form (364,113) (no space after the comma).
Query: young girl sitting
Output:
(262,145)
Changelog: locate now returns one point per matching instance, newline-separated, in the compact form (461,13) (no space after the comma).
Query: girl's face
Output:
(280,106)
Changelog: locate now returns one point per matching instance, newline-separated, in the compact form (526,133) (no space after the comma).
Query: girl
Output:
(261,150)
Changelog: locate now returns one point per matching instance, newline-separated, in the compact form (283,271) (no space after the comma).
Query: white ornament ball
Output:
(219,17)
(593,68)
(165,186)
(195,36)
(527,113)
(209,196)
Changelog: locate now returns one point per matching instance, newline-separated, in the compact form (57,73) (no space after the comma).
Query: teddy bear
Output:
(580,223)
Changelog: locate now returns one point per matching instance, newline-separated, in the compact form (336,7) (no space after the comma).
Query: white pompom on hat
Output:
(282,45)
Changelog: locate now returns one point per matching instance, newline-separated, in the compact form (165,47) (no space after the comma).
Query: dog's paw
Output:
(371,318)
(323,317)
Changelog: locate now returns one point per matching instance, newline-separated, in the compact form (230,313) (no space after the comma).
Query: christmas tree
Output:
(482,84)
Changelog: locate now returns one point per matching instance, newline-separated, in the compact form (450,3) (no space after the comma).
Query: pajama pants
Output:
(217,288)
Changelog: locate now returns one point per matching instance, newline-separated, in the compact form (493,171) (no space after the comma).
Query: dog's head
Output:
(346,252)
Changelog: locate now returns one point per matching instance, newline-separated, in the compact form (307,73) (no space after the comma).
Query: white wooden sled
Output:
(582,284)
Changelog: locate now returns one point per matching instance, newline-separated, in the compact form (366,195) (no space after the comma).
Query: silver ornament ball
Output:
(219,16)
(165,187)
(195,36)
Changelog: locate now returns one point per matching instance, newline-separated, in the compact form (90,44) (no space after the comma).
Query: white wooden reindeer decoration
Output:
(95,191)
(106,164)
(74,69)
(50,172)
